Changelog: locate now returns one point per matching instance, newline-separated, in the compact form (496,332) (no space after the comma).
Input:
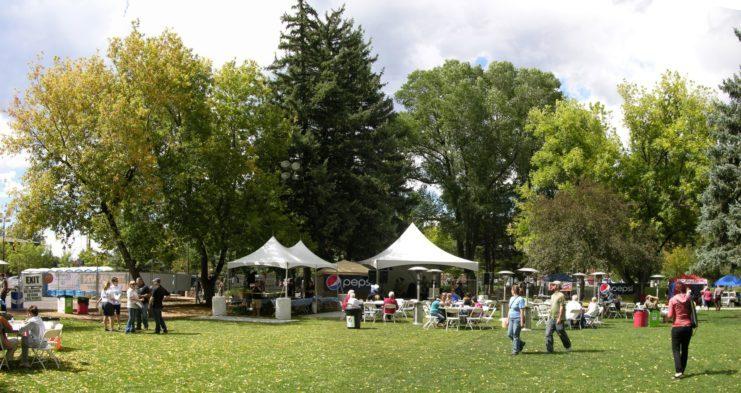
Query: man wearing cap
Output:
(556,319)
(158,295)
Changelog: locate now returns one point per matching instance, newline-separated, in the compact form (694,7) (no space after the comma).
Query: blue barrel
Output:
(16,300)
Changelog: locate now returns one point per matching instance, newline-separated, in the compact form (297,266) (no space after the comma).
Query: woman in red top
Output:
(390,310)
(707,297)
(680,312)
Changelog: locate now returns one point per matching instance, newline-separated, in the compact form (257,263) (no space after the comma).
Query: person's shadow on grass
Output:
(563,352)
(711,372)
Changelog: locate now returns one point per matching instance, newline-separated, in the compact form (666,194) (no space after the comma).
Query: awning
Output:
(413,248)
(348,268)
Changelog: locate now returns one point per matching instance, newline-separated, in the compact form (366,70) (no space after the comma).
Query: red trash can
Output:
(640,318)
(82,305)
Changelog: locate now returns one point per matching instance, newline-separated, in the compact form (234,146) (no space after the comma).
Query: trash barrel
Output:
(352,318)
(82,305)
(640,318)
(654,318)
(16,300)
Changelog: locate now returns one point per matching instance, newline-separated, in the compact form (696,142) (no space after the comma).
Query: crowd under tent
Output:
(413,248)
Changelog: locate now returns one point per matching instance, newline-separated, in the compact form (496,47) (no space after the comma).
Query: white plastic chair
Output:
(574,317)
(430,320)
(45,351)
(370,312)
(489,319)
(3,357)
(452,318)
(474,319)
(405,307)
(385,316)
(542,311)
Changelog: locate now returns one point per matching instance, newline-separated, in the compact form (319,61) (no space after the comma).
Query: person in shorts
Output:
(717,294)
(114,297)
(106,306)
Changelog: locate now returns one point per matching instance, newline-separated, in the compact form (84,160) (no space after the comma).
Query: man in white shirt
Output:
(35,329)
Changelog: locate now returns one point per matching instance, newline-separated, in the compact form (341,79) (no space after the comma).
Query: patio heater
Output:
(506,275)
(434,272)
(529,273)
(418,310)
(579,283)
(597,282)
(656,280)
(418,270)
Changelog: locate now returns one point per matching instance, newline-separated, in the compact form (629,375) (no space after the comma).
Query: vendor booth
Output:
(274,254)
(344,276)
(694,282)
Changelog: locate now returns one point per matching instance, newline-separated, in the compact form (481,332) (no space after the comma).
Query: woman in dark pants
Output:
(681,314)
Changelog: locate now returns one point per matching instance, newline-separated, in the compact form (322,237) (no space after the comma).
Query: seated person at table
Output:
(592,309)
(651,303)
(467,301)
(35,328)
(454,297)
(9,343)
(574,305)
(479,302)
(390,300)
(435,310)
(447,299)
(617,302)
(372,295)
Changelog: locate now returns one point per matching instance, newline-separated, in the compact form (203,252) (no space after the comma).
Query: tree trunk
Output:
(129,261)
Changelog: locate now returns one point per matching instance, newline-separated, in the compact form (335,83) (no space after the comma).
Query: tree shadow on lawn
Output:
(15,368)
(711,372)
(177,333)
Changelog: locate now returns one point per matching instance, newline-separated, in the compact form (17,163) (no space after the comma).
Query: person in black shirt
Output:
(144,294)
(158,295)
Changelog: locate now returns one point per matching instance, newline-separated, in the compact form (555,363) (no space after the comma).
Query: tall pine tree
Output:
(350,188)
(720,223)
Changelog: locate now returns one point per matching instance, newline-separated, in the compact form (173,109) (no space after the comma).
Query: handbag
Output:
(693,314)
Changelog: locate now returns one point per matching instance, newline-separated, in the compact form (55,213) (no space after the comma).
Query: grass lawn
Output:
(322,355)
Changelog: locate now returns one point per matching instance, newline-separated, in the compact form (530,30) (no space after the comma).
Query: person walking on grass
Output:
(683,317)
(516,319)
(556,319)
(134,306)
(144,294)
(158,296)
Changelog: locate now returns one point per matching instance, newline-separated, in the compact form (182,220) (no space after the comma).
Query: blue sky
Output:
(591,46)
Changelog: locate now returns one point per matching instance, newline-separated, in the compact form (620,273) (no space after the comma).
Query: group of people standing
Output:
(141,302)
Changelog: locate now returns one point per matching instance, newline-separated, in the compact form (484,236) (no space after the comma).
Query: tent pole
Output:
(378,274)
(285,283)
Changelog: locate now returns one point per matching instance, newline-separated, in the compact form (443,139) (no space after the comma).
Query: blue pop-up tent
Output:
(728,281)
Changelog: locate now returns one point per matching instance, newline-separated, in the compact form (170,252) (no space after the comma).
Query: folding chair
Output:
(542,312)
(405,306)
(475,318)
(370,311)
(629,309)
(44,352)
(391,315)
(430,320)
(452,318)
(574,317)
(3,357)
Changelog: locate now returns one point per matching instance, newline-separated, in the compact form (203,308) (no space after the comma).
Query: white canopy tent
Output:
(305,255)
(413,248)
(273,254)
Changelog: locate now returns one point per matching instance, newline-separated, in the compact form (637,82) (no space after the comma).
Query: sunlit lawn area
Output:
(322,355)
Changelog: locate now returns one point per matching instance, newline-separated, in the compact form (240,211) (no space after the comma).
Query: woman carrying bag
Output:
(684,319)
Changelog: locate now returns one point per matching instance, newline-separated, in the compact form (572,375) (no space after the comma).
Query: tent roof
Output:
(272,253)
(306,256)
(691,279)
(346,267)
(728,281)
(413,248)
(557,277)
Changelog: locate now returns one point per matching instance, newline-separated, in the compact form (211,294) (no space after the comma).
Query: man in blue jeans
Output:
(144,294)
(516,319)
(158,295)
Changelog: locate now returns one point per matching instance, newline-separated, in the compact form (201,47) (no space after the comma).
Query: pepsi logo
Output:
(333,282)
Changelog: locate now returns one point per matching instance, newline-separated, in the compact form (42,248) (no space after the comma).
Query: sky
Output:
(591,46)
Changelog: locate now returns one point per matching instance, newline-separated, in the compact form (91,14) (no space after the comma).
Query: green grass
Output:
(321,355)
